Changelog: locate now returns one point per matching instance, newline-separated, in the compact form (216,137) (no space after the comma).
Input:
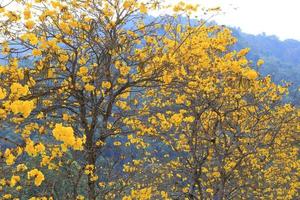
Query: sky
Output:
(273,17)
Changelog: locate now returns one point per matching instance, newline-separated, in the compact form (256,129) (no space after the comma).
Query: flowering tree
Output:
(72,70)
(229,134)
(100,101)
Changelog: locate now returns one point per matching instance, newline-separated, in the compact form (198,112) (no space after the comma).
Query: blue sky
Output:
(274,17)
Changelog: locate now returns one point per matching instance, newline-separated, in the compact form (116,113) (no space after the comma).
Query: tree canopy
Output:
(100,101)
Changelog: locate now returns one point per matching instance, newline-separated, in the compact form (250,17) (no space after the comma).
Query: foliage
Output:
(100,102)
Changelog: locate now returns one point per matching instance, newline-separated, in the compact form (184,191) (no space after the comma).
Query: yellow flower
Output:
(127,4)
(18,89)
(24,107)
(82,61)
(34,149)
(243,52)
(101,184)
(63,58)
(209,190)
(185,190)
(204,170)
(5,48)
(164,194)
(37,175)
(65,28)
(145,194)
(7,196)
(36,52)
(33,39)
(21,167)
(121,80)
(189,119)
(29,24)
(10,158)
(124,70)
(64,134)
(106,84)
(143,8)
(50,73)
(13,16)
(14,180)
(122,104)
(94,177)
(30,148)
(53,44)
(193,84)
(251,74)
(89,169)
(117,143)
(100,143)
(83,70)
(2,93)
(177,118)
(260,62)
(80,197)
(78,145)
(167,78)
(66,117)
(27,14)
(216,174)
(89,87)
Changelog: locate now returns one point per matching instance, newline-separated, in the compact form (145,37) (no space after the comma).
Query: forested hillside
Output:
(282,58)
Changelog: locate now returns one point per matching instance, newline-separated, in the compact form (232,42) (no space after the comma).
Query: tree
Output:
(230,134)
(100,101)
(71,72)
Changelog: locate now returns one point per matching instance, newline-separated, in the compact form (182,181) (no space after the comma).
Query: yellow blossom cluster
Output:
(89,170)
(34,149)
(139,194)
(23,107)
(37,175)
(66,135)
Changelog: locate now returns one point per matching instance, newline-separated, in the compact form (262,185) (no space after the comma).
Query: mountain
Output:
(282,58)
